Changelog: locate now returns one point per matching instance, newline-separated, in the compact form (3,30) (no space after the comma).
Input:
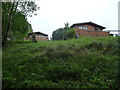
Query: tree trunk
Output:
(10,19)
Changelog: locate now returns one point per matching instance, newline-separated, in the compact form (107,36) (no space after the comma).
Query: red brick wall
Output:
(91,32)
(97,34)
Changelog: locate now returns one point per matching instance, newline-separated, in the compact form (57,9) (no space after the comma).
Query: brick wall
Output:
(90,32)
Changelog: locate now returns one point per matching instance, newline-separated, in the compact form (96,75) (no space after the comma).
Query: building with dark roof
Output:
(38,36)
(90,29)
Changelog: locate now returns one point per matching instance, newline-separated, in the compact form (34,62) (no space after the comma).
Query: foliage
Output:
(12,11)
(20,28)
(28,8)
(63,33)
(70,33)
(58,34)
(75,63)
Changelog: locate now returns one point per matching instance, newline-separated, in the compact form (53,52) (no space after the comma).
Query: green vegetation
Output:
(14,19)
(63,33)
(76,63)
(20,28)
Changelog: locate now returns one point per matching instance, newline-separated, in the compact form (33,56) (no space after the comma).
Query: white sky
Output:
(54,13)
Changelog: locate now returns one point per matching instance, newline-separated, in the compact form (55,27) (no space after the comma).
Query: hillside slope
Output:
(76,63)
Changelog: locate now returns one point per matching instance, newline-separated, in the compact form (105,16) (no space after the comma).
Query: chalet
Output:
(38,36)
(90,29)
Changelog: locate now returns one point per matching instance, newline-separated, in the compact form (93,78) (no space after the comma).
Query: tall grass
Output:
(76,63)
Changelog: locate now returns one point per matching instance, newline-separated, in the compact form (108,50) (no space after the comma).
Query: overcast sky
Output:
(54,13)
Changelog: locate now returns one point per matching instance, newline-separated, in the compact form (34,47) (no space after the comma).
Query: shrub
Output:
(70,33)
(68,65)
(95,45)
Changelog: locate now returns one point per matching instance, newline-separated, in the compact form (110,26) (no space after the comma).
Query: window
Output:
(83,28)
(80,27)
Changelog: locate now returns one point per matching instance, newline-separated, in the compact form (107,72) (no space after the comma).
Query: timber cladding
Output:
(90,29)
(38,36)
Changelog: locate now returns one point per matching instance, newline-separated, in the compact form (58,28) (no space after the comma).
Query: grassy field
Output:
(77,63)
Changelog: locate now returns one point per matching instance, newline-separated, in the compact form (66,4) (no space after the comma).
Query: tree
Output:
(57,34)
(70,33)
(66,24)
(20,27)
(10,11)
(63,33)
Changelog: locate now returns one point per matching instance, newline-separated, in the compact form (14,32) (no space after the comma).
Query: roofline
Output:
(94,24)
(38,33)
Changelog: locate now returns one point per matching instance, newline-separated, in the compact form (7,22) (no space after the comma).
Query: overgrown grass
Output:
(76,63)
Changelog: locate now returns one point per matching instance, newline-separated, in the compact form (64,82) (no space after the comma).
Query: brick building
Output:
(38,36)
(90,29)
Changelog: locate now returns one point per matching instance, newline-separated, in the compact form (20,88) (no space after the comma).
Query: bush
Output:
(95,45)
(68,65)
(70,33)
(63,33)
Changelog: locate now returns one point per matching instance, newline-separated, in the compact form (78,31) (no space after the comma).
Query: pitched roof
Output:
(38,33)
(88,23)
